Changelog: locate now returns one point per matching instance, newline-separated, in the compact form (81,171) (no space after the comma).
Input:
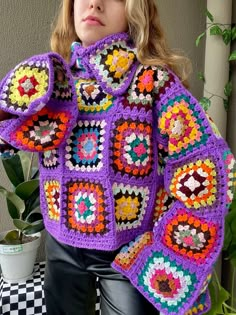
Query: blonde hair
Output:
(145,30)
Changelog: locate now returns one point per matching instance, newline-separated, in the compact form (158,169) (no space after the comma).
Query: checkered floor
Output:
(26,298)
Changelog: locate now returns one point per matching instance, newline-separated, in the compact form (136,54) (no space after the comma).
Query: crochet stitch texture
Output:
(127,155)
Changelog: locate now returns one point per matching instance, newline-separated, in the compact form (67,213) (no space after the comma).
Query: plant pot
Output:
(17,261)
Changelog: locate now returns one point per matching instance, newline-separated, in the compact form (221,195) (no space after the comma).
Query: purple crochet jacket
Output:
(127,156)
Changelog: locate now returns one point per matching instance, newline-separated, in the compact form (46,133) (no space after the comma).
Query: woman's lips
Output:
(93,20)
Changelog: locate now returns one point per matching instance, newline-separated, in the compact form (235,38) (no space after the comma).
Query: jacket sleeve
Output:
(39,93)
(175,259)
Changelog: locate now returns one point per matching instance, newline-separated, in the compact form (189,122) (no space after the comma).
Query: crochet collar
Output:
(111,62)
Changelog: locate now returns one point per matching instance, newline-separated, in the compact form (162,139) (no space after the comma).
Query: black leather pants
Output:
(70,283)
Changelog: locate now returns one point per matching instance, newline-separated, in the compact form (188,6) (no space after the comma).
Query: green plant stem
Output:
(210,24)
(224,308)
(30,167)
(232,289)
(20,236)
(212,95)
(216,278)
(229,307)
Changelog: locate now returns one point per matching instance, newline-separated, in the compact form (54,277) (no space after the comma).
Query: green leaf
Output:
(216,30)
(33,200)
(233,225)
(218,297)
(35,173)
(17,201)
(232,56)
(233,33)
(213,294)
(201,76)
(233,261)
(12,237)
(226,104)
(227,236)
(232,213)
(12,209)
(31,203)
(199,38)
(222,297)
(26,189)
(205,103)
(209,15)
(226,36)
(34,216)
(232,255)
(35,227)
(233,207)
(14,170)
(25,162)
(230,216)
(20,224)
(231,251)
(228,88)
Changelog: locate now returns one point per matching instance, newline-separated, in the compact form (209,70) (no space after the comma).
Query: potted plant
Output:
(223,294)
(222,297)
(18,247)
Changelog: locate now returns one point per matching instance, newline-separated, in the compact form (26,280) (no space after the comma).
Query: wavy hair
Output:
(144,27)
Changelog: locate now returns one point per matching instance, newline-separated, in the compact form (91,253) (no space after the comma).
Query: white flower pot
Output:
(17,261)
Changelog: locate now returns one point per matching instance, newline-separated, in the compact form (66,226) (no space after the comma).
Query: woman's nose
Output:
(97,5)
